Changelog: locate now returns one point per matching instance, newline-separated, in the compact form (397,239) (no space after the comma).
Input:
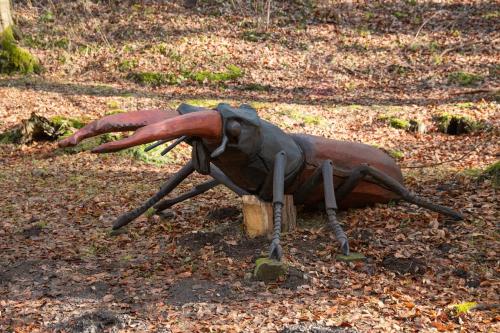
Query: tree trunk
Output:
(5,15)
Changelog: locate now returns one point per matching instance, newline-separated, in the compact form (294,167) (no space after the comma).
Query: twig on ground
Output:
(424,23)
(494,90)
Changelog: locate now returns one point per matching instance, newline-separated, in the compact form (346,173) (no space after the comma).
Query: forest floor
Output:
(340,71)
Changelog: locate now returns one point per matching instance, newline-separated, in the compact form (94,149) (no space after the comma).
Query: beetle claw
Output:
(275,251)
(344,246)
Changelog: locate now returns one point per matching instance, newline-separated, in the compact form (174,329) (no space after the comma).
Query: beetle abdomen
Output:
(347,156)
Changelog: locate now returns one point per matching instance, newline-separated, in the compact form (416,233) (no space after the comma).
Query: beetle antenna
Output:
(172,146)
(154,145)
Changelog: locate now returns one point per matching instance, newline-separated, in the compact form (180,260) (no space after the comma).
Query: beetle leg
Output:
(198,189)
(390,183)
(275,250)
(172,183)
(217,174)
(331,206)
(325,173)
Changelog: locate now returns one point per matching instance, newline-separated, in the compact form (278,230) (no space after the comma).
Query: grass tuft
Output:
(464,79)
(154,79)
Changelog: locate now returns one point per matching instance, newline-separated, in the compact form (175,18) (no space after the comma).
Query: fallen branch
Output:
(477,91)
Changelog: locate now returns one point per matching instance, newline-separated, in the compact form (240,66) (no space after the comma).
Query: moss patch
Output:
(154,79)
(493,172)
(459,309)
(14,59)
(353,256)
(464,79)
(255,36)
(399,123)
(232,72)
(269,270)
(455,124)
(396,154)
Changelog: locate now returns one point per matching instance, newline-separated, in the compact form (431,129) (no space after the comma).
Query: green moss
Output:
(396,154)
(353,256)
(464,79)
(261,105)
(150,212)
(232,72)
(493,15)
(205,103)
(399,123)
(127,65)
(10,137)
(465,105)
(269,270)
(47,16)
(14,59)
(455,124)
(255,36)
(462,308)
(67,122)
(400,15)
(155,79)
(300,116)
(62,43)
(493,171)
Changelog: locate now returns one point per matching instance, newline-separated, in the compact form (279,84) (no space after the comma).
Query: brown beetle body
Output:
(252,156)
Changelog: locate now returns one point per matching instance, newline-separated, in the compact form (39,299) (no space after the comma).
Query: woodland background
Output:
(405,76)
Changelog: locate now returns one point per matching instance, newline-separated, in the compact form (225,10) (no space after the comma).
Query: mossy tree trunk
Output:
(12,57)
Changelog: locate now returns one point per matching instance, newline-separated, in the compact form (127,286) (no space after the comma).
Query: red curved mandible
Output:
(205,124)
(119,122)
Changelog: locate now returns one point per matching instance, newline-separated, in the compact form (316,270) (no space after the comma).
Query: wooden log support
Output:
(258,216)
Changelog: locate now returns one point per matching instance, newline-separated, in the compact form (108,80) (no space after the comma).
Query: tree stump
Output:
(258,216)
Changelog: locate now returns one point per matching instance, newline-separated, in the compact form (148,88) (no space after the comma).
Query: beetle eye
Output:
(233,128)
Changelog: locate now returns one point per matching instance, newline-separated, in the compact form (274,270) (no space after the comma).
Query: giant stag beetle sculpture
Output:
(252,156)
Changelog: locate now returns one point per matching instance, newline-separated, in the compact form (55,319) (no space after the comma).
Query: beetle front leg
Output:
(275,251)
(172,183)
(198,189)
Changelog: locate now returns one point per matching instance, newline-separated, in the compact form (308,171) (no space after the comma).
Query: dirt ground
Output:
(340,70)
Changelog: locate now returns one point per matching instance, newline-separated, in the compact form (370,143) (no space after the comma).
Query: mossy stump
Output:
(455,124)
(36,128)
(269,270)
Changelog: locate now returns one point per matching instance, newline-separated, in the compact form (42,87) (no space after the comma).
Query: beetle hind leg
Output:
(391,184)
